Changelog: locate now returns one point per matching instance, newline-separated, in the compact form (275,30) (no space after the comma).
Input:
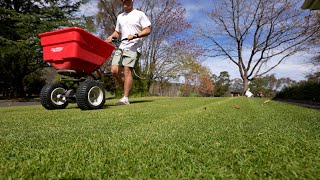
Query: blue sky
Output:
(295,67)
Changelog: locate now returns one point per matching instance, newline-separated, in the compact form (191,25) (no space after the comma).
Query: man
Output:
(133,25)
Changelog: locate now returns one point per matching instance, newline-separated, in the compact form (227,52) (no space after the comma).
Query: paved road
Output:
(7,103)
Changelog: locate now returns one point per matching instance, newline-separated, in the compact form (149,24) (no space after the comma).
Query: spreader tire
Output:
(90,95)
(52,96)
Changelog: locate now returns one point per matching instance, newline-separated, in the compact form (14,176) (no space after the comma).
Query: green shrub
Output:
(194,95)
(33,83)
(307,90)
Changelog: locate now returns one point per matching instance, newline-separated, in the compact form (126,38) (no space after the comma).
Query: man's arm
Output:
(115,34)
(145,32)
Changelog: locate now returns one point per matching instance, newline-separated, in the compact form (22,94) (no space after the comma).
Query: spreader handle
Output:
(114,39)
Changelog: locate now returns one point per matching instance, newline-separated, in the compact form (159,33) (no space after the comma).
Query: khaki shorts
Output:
(125,58)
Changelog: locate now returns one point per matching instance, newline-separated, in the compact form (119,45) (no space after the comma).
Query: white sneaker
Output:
(122,101)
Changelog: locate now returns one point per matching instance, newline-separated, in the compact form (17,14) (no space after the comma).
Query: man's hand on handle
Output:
(109,39)
(145,32)
(130,37)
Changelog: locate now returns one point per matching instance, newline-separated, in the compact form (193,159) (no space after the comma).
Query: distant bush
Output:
(307,90)
(33,83)
(194,95)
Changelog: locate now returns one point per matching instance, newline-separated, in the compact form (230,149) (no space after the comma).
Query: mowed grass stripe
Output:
(162,138)
(61,125)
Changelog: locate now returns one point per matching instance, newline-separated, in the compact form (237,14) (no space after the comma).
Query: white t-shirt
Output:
(131,23)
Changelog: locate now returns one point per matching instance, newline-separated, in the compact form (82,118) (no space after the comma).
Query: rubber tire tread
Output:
(82,95)
(45,96)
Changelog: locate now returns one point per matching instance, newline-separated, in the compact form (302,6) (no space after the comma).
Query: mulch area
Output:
(303,103)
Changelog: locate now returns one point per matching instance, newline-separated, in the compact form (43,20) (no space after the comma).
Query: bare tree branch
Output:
(262,29)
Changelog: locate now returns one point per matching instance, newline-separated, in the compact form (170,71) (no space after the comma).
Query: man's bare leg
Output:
(116,72)
(124,79)
(128,81)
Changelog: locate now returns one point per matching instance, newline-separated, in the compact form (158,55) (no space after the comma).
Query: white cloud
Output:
(295,67)
(196,10)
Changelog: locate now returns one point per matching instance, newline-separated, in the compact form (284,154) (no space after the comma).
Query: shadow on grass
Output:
(105,106)
(131,102)
(142,101)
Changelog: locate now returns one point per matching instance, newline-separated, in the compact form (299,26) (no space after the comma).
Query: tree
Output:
(197,78)
(20,23)
(263,85)
(236,85)
(315,74)
(222,84)
(34,82)
(268,85)
(189,69)
(258,35)
(106,17)
(176,57)
(168,25)
(206,85)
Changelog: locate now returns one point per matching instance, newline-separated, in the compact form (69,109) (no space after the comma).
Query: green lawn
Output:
(162,138)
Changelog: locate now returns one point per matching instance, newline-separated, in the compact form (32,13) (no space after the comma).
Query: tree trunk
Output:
(19,88)
(245,86)
(149,83)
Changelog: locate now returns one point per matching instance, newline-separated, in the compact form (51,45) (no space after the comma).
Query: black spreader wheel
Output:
(52,96)
(90,95)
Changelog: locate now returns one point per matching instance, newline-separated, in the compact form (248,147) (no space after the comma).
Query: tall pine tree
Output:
(20,23)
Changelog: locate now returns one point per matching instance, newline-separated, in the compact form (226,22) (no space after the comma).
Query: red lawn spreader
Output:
(78,54)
